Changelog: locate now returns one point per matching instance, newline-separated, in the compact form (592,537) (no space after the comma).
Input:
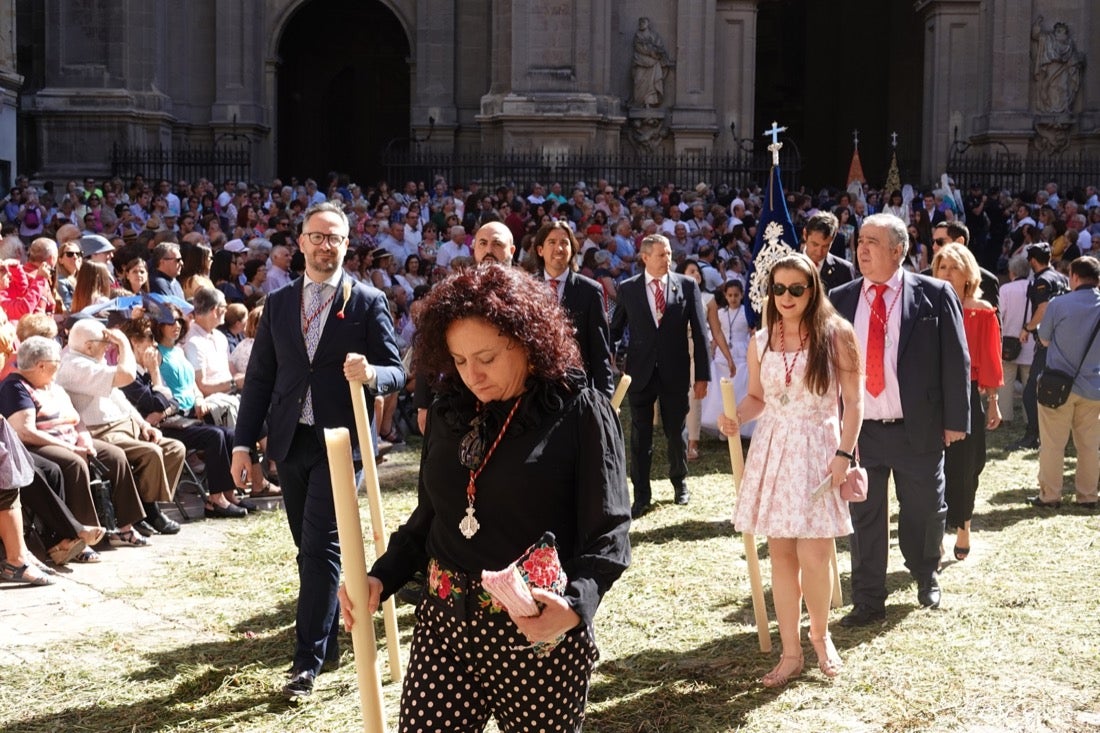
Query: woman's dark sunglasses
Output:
(795,290)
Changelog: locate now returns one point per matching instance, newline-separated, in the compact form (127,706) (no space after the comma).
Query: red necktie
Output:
(659,298)
(876,343)
(554,285)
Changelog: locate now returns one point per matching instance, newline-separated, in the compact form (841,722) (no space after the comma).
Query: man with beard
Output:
(298,384)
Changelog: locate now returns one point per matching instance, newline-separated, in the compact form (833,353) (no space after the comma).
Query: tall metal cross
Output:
(893,139)
(775,145)
(855,138)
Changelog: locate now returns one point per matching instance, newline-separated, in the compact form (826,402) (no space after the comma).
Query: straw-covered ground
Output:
(1013,648)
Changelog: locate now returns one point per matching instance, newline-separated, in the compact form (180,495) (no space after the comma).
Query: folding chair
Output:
(189,478)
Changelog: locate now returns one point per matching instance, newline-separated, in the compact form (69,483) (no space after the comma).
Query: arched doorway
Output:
(343,89)
(830,68)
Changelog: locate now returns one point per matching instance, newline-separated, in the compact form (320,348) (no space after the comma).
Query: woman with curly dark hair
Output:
(517,447)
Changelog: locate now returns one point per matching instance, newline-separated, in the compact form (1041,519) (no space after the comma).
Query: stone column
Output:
(434,73)
(694,120)
(10,83)
(101,85)
(550,78)
(735,69)
(952,73)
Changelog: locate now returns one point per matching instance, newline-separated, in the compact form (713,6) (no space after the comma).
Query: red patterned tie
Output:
(876,343)
(554,285)
(659,298)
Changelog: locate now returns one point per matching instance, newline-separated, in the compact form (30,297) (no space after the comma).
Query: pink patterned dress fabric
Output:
(789,457)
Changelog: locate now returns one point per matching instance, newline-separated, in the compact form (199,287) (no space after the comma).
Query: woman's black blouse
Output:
(561,467)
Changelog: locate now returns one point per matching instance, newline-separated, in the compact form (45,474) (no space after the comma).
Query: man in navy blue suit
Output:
(316,334)
(663,310)
(917,401)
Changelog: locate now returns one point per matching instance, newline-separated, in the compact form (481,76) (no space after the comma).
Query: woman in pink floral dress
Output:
(799,366)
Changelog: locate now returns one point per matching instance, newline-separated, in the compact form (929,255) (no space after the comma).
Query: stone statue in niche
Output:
(650,66)
(1056,68)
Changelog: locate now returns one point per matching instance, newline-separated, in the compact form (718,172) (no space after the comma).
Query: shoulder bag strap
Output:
(1088,346)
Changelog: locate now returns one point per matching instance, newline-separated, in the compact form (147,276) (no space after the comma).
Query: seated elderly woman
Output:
(46,421)
(93,385)
(67,539)
(17,471)
(153,399)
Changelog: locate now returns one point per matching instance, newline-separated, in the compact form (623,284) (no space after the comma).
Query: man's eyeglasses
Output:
(317,239)
(795,290)
(940,241)
(169,259)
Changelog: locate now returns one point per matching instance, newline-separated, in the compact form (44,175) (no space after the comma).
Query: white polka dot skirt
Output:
(468,663)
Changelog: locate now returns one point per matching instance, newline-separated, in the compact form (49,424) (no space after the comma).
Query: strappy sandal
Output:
(828,661)
(11,574)
(87,557)
(63,555)
(779,675)
(129,538)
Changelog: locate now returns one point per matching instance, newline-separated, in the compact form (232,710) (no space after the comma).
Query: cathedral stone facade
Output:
(332,84)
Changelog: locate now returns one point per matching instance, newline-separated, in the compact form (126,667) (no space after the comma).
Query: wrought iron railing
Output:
(216,163)
(735,168)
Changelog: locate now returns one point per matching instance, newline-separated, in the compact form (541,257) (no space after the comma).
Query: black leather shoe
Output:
(863,615)
(144,528)
(1038,503)
(928,592)
(166,525)
(640,510)
(1090,505)
(299,686)
(332,660)
(213,511)
(682,495)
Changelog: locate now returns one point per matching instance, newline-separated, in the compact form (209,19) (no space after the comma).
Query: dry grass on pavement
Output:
(1014,647)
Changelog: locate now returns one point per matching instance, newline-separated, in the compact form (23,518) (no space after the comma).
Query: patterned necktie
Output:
(314,325)
(659,298)
(876,343)
(554,286)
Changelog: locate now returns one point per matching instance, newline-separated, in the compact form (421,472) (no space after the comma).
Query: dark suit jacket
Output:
(836,271)
(663,349)
(279,370)
(583,298)
(933,360)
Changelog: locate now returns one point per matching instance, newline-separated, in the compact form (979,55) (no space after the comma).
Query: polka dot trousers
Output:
(468,662)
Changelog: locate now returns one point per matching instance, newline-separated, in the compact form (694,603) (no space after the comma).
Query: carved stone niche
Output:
(646,129)
(1052,135)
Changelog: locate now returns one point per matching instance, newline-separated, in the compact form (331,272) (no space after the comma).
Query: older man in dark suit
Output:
(556,250)
(663,310)
(917,401)
(315,335)
(817,240)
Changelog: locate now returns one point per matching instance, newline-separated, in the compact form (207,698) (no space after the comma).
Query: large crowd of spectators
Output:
(170,374)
